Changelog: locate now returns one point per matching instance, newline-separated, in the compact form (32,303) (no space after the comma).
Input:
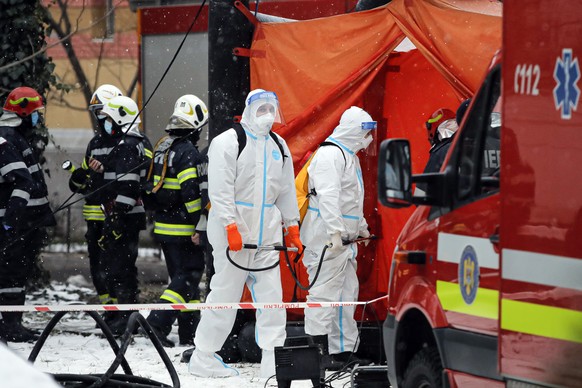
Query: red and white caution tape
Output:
(184,306)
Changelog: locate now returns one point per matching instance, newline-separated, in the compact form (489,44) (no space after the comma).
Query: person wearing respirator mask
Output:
(251,194)
(84,180)
(24,207)
(336,213)
(124,173)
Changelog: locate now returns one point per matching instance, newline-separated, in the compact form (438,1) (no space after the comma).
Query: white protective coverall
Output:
(337,208)
(257,192)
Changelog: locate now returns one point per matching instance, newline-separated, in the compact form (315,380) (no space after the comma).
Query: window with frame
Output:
(479,150)
(103,14)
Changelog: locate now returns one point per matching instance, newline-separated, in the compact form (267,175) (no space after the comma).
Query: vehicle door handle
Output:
(494,238)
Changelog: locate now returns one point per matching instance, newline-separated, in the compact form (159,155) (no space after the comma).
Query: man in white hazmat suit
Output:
(251,194)
(336,214)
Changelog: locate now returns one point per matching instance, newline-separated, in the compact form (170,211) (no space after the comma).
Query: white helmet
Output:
(190,112)
(123,111)
(103,94)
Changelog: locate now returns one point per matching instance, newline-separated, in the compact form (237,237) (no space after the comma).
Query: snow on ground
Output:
(65,352)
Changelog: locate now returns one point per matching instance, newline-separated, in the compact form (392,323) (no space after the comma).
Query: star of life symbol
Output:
(567,75)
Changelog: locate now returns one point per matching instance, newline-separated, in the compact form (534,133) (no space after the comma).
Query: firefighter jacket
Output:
(24,200)
(178,173)
(123,178)
(87,182)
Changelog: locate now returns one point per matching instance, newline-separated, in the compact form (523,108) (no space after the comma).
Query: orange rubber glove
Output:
(234,237)
(293,238)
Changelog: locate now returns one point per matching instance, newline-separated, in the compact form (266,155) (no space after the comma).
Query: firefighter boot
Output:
(187,324)
(161,323)
(11,329)
(119,324)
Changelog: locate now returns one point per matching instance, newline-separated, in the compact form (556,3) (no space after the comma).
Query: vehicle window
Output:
(479,151)
(492,152)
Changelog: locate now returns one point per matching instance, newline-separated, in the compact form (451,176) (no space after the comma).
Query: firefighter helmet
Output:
(103,94)
(123,111)
(436,119)
(190,112)
(23,101)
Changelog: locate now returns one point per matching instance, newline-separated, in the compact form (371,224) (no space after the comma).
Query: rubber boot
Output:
(11,328)
(107,316)
(119,323)
(187,324)
(161,322)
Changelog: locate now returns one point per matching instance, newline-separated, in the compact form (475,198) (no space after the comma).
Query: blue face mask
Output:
(108,127)
(34,116)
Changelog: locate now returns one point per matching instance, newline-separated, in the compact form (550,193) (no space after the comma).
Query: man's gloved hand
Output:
(336,243)
(79,179)
(364,233)
(234,237)
(292,238)
(112,230)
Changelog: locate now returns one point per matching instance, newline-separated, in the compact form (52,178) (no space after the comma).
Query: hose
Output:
(109,379)
(254,246)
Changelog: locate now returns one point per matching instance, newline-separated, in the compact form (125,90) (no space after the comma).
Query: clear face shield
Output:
(265,111)
(370,142)
(97,111)
(177,122)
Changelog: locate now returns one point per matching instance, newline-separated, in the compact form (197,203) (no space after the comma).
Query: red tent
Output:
(320,67)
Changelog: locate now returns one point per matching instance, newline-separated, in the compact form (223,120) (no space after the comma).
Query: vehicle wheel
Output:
(424,370)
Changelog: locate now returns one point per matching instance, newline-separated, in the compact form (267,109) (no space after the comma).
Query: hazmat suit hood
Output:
(261,112)
(355,129)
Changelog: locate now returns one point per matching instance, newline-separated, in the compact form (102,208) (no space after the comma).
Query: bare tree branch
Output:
(133,83)
(61,39)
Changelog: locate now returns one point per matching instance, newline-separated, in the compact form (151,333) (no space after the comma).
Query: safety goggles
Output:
(369,125)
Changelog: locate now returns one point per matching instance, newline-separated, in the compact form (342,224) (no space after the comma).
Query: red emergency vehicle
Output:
(485,284)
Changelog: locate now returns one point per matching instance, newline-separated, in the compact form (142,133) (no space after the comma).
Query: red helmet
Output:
(23,101)
(437,118)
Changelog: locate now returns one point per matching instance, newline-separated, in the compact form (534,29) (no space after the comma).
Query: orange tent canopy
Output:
(320,67)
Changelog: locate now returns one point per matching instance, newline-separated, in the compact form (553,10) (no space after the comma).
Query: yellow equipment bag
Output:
(302,189)
(302,183)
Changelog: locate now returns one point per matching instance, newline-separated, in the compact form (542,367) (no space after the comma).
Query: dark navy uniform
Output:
(179,173)
(123,176)
(87,182)
(24,214)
